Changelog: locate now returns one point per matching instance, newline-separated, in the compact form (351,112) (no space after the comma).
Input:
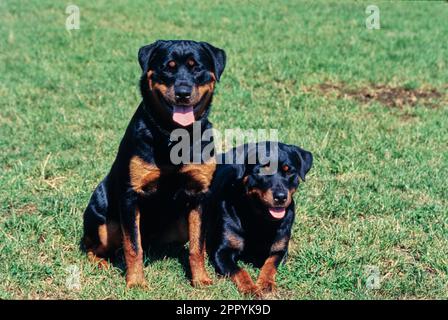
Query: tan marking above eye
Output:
(285,168)
(191,62)
(172,64)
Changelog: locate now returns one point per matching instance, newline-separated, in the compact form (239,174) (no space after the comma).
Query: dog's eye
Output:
(191,62)
(172,64)
(285,168)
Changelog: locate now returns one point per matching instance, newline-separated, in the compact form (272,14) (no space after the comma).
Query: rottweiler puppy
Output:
(147,198)
(251,211)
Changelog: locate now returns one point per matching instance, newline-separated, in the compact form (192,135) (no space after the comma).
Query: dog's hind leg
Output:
(102,236)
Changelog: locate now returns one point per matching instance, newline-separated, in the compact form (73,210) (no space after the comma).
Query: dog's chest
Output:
(147,178)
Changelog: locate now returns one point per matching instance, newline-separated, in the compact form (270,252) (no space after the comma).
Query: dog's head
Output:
(179,78)
(269,186)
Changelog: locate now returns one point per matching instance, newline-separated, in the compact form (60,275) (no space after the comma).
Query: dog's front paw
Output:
(136,280)
(251,290)
(266,286)
(244,283)
(201,281)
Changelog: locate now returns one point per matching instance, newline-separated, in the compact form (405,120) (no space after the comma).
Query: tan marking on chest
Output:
(234,241)
(200,174)
(143,175)
(280,245)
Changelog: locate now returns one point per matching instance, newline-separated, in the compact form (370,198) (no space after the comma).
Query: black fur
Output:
(234,215)
(148,137)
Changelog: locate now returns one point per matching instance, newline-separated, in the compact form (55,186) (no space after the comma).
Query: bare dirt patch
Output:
(29,208)
(397,97)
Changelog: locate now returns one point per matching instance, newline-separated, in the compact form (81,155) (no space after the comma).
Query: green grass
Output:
(377,194)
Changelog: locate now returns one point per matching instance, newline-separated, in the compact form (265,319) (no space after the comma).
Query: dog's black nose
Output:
(280,197)
(182,92)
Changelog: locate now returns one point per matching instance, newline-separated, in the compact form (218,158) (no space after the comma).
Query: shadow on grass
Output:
(153,253)
(172,251)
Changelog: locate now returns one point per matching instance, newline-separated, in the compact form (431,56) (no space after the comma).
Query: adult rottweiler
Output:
(251,211)
(147,198)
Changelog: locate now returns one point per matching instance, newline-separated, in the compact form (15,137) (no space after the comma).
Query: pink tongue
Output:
(277,213)
(183,115)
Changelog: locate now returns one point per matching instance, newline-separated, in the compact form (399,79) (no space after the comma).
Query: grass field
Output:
(376,196)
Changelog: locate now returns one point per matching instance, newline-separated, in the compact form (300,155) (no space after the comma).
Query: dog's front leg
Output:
(225,261)
(266,279)
(199,276)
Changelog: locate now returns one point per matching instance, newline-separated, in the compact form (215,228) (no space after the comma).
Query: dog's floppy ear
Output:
(145,53)
(239,171)
(248,155)
(305,161)
(233,163)
(219,58)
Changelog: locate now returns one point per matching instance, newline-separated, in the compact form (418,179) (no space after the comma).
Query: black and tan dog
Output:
(146,198)
(251,212)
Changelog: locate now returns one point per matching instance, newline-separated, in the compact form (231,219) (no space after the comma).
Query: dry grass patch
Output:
(397,97)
